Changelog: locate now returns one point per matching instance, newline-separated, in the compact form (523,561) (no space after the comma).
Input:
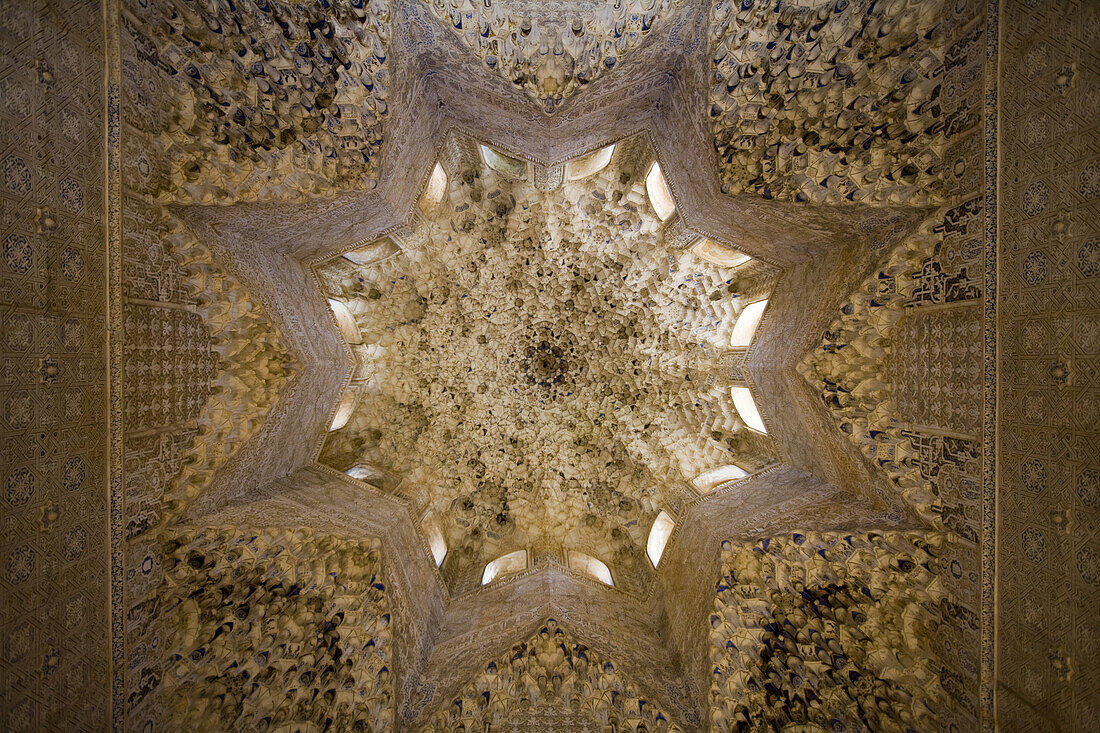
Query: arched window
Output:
(436,542)
(658,537)
(508,564)
(719,254)
(746,324)
(589,565)
(344,409)
(588,165)
(718,476)
(437,186)
(746,408)
(345,322)
(660,197)
(376,251)
(501,163)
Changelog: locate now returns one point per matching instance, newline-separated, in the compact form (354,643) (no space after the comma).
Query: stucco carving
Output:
(253,366)
(551,50)
(552,682)
(851,368)
(269,100)
(827,630)
(830,102)
(813,137)
(276,628)
(482,342)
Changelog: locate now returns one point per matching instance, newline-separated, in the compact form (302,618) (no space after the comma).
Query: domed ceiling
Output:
(537,369)
(520,365)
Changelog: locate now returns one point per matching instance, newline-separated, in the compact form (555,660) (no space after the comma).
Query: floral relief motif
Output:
(18,253)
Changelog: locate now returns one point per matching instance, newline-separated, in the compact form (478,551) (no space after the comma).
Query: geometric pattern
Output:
(1048,536)
(934,369)
(168,366)
(504,347)
(54,491)
(54,627)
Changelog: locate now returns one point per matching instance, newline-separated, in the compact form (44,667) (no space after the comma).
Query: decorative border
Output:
(988,601)
(113,244)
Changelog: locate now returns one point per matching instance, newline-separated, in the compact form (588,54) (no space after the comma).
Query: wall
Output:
(55,668)
(1048,548)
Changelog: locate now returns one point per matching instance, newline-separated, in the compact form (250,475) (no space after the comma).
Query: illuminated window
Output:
(344,410)
(587,165)
(747,322)
(345,322)
(660,198)
(658,537)
(501,163)
(707,481)
(746,408)
(374,252)
(363,472)
(508,564)
(720,254)
(435,540)
(437,186)
(376,477)
(589,565)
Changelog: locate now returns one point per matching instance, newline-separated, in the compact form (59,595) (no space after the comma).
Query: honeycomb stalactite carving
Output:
(827,631)
(252,370)
(485,343)
(552,52)
(849,366)
(829,102)
(273,100)
(276,630)
(551,681)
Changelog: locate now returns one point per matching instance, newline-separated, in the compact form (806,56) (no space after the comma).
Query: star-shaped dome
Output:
(538,369)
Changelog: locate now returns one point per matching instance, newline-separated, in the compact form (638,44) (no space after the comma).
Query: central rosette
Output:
(550,361)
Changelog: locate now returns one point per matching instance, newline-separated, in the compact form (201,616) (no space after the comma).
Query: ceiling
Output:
(443,334)
(536,369)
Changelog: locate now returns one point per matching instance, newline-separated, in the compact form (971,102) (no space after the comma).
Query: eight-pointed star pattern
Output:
(538,369)
(656,631)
